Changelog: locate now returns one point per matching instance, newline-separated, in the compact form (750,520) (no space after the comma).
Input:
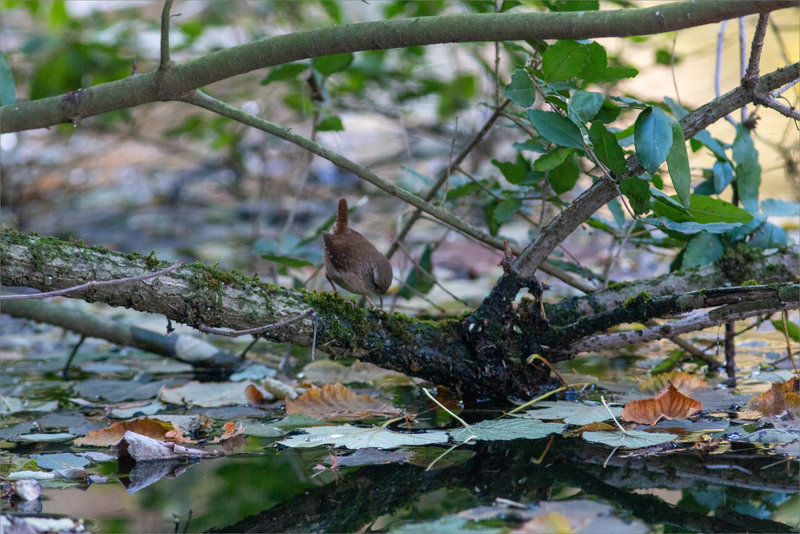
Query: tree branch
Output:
(165,62)
(183,78)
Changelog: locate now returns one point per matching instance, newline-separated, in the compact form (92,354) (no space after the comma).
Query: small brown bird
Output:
(353,262)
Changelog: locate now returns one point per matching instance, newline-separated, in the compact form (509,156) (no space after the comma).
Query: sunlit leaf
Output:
(337,402)
(669,403)
(330,123)
(652,136)
(112,434)
(205,394)
(780,397)
(684,382)
(792,329)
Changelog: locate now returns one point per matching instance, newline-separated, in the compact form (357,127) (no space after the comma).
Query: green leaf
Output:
(704,248)
(555,128)
(552,159)
(596,63)
(563,60)
(691,227)
(652,137)
(333,10)
(505,210)
(709,210)
(284,72)
(768,235)
(678,165)
(8,91)
(564,177)
(748,170)
(422,281)
(520,91)
(330,123)
(791,328)
(632,439)
(584,105)
(722,172)
(607,148)
(637,191)
(507,429)
(513,172)
(327,65)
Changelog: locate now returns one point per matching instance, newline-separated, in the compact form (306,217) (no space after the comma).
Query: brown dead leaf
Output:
(108,436)
(231,430)
(780,397)
(668,403)
(177,436)
(684,382)
(255,395)
(335,401)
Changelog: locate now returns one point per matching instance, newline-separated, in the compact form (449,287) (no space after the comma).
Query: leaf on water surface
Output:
(137,408)
(335,401)
(144,449)
(259,429)
(781,396)
(353,437)
(426,456)
(668,403)
(231,430)
(10,405)
(771,435)
(58,436)
(257,396)
(205,394)
(507,429)
(112,434)
(631,439)
(65,460)
(573,413)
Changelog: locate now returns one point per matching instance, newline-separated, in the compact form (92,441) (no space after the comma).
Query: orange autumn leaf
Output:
(668,403)
(231,430)
(104,437)
(780,397)
(335,401)
(177,436)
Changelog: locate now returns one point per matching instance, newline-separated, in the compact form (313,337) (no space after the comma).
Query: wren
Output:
(353,262)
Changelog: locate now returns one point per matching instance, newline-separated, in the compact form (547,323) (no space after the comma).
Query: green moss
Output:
(639,299)
(741,263)
(151,261)
(750,283)
(347,323)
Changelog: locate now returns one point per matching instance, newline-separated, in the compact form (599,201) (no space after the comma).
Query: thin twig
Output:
(672,68)
(751,74)
(718,66)
(164,65)
(92,284)
(742,60)
(785,319)
(428,275)
(65,370)
(252,331)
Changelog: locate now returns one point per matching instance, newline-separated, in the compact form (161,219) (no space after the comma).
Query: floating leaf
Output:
(652,136)
(555,128)
(573,413)
(631,439)
(65,460)
(330,371)
(668,403)
(520,91)
(507,429)
(335,401)
(112,434)
(230,431)
(353,437)
(205,394)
